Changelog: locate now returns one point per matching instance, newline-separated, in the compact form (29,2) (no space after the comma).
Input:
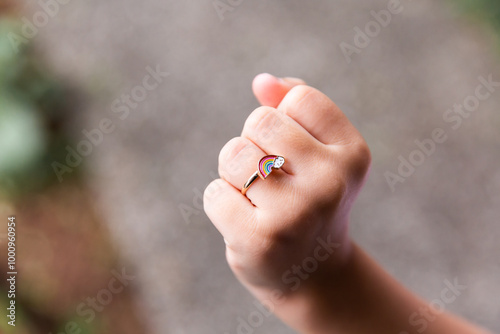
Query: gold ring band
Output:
(266,166)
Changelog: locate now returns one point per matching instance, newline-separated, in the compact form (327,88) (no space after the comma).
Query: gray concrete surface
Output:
(441,223)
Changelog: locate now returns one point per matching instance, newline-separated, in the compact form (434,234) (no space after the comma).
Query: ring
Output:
(266,166)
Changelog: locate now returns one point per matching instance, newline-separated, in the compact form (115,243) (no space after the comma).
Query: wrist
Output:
(306,287)
(357,296)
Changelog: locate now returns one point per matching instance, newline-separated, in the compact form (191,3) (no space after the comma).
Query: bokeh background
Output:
(134,203)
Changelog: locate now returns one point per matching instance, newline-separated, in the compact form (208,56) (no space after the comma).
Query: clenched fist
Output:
(283,219)
(287,239)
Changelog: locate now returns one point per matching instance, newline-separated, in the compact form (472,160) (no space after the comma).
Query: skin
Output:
(275,236)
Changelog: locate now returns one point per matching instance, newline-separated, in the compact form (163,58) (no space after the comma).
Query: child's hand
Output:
(287,242)
(281,222)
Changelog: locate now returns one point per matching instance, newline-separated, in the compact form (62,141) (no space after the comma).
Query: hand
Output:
(303,205)
(287,242)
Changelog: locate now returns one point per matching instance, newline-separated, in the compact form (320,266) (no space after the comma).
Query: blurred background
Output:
(112,114)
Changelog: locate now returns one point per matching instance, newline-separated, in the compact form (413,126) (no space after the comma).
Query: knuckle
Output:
(300,97)
(233,261)
(212,190)
(229,155)
(360,158)
(263,122)
(234,155)
(228,149)
(300,93)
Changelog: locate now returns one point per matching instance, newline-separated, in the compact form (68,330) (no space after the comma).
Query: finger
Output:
(276,133)
(238,160)
(230,212)
(319,115)
(270,90)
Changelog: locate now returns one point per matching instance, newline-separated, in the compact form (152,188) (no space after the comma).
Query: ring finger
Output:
(238,160)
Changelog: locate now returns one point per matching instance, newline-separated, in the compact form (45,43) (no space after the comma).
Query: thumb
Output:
(270,90)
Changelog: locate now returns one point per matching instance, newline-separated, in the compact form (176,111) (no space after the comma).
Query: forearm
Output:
(360,297)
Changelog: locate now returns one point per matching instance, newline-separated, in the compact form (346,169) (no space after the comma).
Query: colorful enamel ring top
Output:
(266,166)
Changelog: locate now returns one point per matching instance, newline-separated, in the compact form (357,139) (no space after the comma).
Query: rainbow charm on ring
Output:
(267,164)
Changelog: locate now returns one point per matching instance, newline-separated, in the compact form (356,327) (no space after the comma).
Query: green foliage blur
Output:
(484,10)
(33,107)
